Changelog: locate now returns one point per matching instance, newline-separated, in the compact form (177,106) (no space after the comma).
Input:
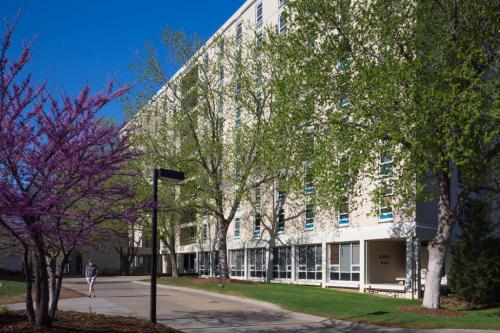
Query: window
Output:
(282,23)
(221,46)
(205,63)
(282,263)
(239,33)
(258,40)
(221,103)
(257,262)
(343,217)
(310,266)
(308,144)
(237,88)
(237,227)
(237,117)
(343,64)
(345,102)
(465,213)
(344,262)
(385,165)
(258,104)
(282,3)
(221,75)
(386,171)
(281,197)
(204,263)
(204,233)
(192,234)
(237,259)
(386,207)
(281,220)
(258,15)
(309,214)
(257,222)
(308,180)
(257,198)
(385,210)
(258,75)
(237,170)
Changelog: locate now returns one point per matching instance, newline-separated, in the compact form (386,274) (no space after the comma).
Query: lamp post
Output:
(174,176)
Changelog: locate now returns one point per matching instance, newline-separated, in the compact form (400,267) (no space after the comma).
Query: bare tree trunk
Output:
(28,271)
(52,267)
(221,239)
(439,244)
(56,293)
(173,259)
(42,285)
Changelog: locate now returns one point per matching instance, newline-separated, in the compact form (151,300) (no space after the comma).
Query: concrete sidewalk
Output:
(194,310)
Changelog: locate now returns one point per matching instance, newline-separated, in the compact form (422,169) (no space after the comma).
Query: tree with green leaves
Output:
(475,270)
(413,82)
(211,120)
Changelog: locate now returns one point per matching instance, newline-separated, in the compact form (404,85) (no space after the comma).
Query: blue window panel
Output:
(385,214)
(236,233)
(256,233)
(386,170)
(309,226)
(345,102)
(309,190)
(343,64)
(344,221)
(281,230)
(386,217)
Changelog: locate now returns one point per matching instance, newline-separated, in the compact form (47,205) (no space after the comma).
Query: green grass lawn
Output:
(345,305)
(11,288)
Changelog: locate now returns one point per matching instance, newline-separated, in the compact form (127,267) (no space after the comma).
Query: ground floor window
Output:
(189,260)
(344,262)
(204,263)
(206,259)
(310,266)
(237,260)
(216,266)
(282,263)
(141,265)
(257,262)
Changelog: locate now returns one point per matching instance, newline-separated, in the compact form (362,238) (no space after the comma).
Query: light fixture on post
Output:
(174,176)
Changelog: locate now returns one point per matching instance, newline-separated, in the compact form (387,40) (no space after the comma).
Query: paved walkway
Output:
(194,311)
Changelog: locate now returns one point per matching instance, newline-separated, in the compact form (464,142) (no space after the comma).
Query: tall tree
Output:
(57,159)
(475,269)
(412,81)
(215,116)
(155,147)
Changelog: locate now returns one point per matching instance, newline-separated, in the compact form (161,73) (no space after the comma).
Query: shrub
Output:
(475,270)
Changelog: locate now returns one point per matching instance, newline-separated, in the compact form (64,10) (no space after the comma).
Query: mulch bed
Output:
(420,310)
(65,293)
(80,322)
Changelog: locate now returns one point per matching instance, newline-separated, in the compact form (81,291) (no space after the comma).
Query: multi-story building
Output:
(381,252)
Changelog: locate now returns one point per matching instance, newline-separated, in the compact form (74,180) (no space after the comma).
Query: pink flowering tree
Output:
(59,163)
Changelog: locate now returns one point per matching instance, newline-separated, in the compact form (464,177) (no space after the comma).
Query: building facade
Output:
(371,248)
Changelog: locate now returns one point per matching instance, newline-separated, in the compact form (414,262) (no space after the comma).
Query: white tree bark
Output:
(439,245)
(433,280)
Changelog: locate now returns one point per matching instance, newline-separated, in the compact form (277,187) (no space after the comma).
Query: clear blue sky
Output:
(89,41)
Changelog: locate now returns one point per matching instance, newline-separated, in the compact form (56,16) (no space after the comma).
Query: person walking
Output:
(91,274)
